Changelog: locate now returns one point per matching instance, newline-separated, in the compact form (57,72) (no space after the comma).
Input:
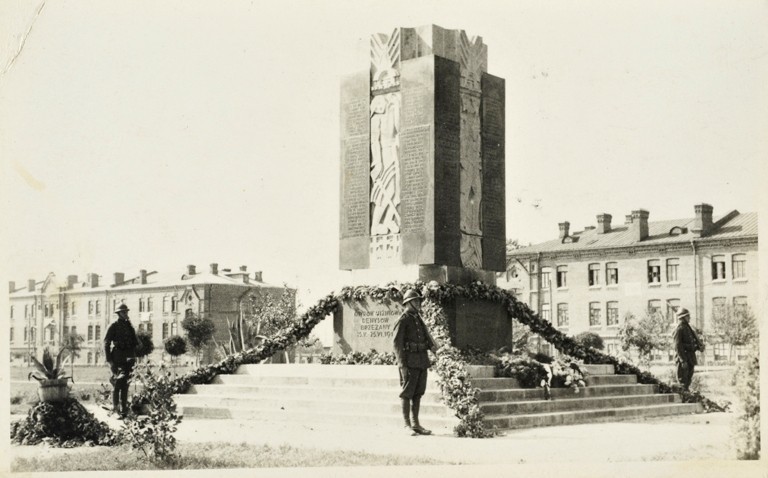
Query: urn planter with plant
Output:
(51,377)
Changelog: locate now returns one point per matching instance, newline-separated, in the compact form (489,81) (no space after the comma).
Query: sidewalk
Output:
(676,438)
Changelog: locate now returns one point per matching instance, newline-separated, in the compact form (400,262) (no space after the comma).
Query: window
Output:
(90,358)
(51,332)
(739,304)
(721,351)
(165,331)
(739,266)
(174,304)
(546,314)
(594,314)
(11,311)
(654,271)
(74,330)
(11,334)
(611,273)
(165,304)
(672,306)
(654,307)
(26,311)
(25,334)
(149,328)
(562,276)
(90,307)
(718,267)
(140,328)
(562,315)
(149,304)
(66,330)
(97,332)
(718,305)
(74,308)
(673,266)
(141,305)
(546,279)
(174,328)
(98,307)
(90,333)
(613,313)
(594,274)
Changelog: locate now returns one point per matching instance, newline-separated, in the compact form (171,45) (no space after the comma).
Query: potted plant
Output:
(53,382)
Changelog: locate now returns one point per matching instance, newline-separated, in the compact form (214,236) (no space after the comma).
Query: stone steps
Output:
(588,416)
(368,395)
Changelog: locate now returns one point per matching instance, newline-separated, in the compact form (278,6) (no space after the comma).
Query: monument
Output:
(422,180)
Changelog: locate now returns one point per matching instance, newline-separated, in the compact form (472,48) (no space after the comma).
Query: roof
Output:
(154,280)
(730,226)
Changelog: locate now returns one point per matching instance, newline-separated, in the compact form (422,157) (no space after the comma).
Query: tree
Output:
(590,339)
(735,326)
(72,343)
(175,346)
(146,345)
(199,332)
(651,332)
(263,314)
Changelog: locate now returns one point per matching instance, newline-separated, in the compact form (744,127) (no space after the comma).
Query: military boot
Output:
(416,425)
(406,404)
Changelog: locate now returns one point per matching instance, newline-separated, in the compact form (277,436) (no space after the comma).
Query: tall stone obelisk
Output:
(422,182)
(422,161)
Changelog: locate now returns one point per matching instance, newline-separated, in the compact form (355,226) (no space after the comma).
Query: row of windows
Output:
(170,304)
(671,268)
(94,331)
(168,328)
(595,314)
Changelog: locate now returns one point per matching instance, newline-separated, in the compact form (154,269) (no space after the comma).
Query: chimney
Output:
(603,223)
(191,270)
(702,225)
(640,224)
(31,285)
(564,227)
(93,280)
(257,276)
(11,287)
(71,281)
(243,268)
(119,278)
(628,219)
(214,268)
(143,276)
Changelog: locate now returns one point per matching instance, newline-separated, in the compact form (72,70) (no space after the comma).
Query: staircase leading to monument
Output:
(367,395)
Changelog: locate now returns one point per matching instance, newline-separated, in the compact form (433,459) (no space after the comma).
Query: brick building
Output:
(45,311)
(589,280)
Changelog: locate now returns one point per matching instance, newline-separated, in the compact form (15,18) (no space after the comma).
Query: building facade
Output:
(44,312)
(591,279)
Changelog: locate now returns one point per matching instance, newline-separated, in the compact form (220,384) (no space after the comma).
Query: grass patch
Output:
(211,455)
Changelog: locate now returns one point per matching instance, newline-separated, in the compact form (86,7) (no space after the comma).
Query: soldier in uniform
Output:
(411,341)
(120,350)
(686,345)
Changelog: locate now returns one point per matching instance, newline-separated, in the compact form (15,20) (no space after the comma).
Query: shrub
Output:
(153,433)
(175,346)
(747,425)
(146,345)
(590,339)
(528,372)
(360,358)
(64,424)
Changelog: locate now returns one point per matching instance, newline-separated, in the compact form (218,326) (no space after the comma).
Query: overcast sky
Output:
(152,135)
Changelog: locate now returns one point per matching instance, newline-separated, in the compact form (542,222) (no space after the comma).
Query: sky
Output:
(152,135)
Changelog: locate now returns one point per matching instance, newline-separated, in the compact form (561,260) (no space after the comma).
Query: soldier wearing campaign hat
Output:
(411,342)
(120,350)
(686,346)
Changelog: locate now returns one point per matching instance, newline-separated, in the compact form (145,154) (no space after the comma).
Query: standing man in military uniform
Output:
(411,341)
(120,350)
(686,345)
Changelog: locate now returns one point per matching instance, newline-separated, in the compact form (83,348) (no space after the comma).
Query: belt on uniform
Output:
(416,346)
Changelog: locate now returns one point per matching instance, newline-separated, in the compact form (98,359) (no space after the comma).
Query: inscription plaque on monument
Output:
(365,325)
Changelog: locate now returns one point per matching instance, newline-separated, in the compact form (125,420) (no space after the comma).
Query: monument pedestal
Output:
(360,326)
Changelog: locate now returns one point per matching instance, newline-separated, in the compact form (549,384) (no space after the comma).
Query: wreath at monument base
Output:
(457,391)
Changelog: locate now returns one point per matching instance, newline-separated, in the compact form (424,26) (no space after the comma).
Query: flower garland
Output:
(455,384)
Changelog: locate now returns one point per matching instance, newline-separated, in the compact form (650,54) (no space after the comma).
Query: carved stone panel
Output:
(493,211)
